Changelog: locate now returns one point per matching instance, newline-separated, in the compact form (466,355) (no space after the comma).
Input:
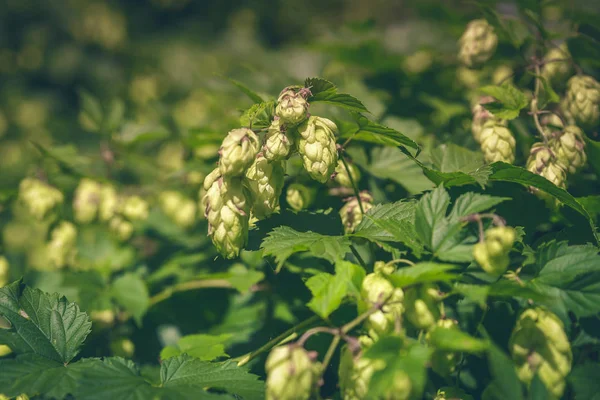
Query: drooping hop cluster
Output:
(581,104)
(292,107)
(477,44)
(492,253)
(443,362)
(557,67)
(278,146)
(38,197)
(238,151)
(351,213)
(4,271)
(377,289)
(343,178)
(265,181)
(543,161)
(497,142)
(421,305)
(539,346)
(480,116)
(291,374)
(179,208)
(226,204)
(317,147)
(61,249)
(92,200)
(299,196)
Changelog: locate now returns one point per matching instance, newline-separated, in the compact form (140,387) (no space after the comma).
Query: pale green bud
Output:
(497,143)
(582,101)
(421,306)
(317,147)
(4,351)
(290,374)
(102,318)
(179,208)
(342,177)
(278,146)
(569,148)
(292,107)
(492,253)
(477,44)
(351,213)
(38,197)
(377,289)
(170,157)
(61,249)
(122,228)
(265,181)
(135,208)
(557,67)
(299,196)
(4,271)
(108,203)
(238,151)
(86,200)
(122,347)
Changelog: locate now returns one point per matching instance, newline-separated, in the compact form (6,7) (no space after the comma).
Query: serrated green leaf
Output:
(585,379)
(372,132)
(329,290)
(430,216)
(424,272)
(114,116)
(326,92)
(284,241)
(91,107)
(259,116)
(510,101)
(41,323)
(547,94)
(255,97)
(200,346)
(506,383)
(131,293)
(471,203)
(454,339)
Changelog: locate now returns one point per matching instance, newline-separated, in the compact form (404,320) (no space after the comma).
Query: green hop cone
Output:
(552,125)
(4,351)
(122,347)
(38,197)
(421,306)
(179,208)
(492,253)
(299,196)
(542,161)
(497,142)
(477,44)
(377,289)
(238,151)
(122,228)
(343,178)
(227,210)
(290,374)
(292,107)
(443,363)
(581,103)
(480,116)
(102,318)
(135,208)
(278,146)
(351,213)
(557,67)
(87,200)
(317,147)
(4,271)
(539,345)
(108,203)
(265,181)
(61,249)
(569,148)
(502,74)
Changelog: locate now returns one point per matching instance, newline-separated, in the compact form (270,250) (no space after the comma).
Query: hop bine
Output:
(492,253)
(237,152)
(265,181)
(317,147)
(581,103)
(477,44)
(497,142)
(351,214)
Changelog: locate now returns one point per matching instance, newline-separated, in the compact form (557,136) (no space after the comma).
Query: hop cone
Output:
(121,227)
(4,271)
(443,362)
(292,107)
(317,147)
(278,146)
(492,253)
(569,148)
(238,151)
(581,103)
(299,196)
(135,208)
(376,289)
(542,161)
(290,374)
(540,346)
(351,213)
(87,200)
(557,68)
(265,181)
(551,123)
(497,143)
(502,74)
(477,43)
(61,248)
(480,116)
(38,197)
(227,210)
(421,306)
(343,178)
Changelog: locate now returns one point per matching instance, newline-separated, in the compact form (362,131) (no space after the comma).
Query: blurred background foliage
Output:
(138,93)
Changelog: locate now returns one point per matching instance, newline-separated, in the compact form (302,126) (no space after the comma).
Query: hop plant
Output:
(540,346)
(227,209)
(581,103)
(292,107)
(290,374)
(135,208)
(265,181)
(480,116)
(377,289)
(497,143)
(343,178)
(278,146)
(569,148)
(351,214)
(492,253)
(421,306)
(299,196)
(317,147)
(557,68)
(38,197)
(87,200)
(61,248)
(477,44)
(4,271)
(443,362)
(543,161)
(238,151)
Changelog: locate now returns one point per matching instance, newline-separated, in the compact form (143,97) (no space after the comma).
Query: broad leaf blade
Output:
(326,92)
(423,272)
(131,293)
